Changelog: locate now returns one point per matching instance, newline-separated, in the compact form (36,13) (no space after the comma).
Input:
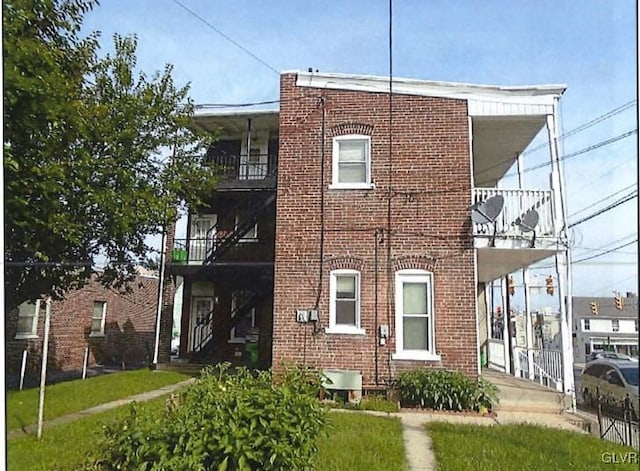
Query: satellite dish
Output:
(487,211)
(528,221)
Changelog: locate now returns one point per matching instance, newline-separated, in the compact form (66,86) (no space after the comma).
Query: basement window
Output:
(351,162)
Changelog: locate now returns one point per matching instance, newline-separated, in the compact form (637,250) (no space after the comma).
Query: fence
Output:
(618,423)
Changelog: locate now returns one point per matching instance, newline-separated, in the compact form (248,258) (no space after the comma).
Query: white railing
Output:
(546,365)
(516,204)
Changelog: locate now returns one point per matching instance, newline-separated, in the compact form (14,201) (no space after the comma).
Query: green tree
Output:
(96,154)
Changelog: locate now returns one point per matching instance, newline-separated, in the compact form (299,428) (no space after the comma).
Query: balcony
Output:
(257,172)
(198,252)
(509,243)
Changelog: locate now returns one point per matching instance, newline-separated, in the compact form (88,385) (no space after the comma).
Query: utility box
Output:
(344,380)
(251,347)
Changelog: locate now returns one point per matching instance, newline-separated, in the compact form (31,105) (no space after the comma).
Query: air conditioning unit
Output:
(344,380)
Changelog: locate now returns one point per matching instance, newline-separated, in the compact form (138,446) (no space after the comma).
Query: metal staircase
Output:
(221,244)
(216,328)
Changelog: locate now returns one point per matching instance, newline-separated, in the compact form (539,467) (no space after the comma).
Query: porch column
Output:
(505,327)
(563,260)
(528,327)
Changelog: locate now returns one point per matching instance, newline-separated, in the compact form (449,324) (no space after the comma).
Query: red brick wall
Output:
(129,329)
(430,198)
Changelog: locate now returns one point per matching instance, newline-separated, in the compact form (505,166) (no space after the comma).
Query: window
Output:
(252,233)
(615,325)
(98,318)
(344,309)
(586,324)
(415,339)
(28,320)
(636,323)
(351,161)
(241,305)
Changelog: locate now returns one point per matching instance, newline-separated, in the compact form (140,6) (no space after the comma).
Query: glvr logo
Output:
(620,458)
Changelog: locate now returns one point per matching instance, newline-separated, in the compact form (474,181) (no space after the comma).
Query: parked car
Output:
(615,379)
(601,354)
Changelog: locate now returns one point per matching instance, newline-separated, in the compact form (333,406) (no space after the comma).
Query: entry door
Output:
(201,306)
(199,243)
(253,164)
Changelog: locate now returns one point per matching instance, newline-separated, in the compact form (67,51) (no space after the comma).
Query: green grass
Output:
(361,442)
(64,447)
(520,447)
(73,396)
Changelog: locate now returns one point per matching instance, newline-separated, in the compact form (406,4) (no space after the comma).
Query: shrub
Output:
(443,390)
(241,421)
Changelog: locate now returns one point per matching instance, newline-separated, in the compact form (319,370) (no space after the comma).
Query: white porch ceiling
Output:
(497,142)
(494,263)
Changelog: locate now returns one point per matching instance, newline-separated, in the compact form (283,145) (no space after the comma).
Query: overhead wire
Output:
(603,199)
(225,36)
(624,199)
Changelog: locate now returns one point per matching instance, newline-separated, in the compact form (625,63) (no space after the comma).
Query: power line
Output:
(225,36)
(605,252)
(603,199)
(624,199)
(587,125)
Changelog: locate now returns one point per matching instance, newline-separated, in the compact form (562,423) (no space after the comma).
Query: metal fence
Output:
(618,423)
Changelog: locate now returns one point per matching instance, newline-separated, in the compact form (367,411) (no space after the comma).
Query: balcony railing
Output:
(516,204)
(198,251)
(239,167)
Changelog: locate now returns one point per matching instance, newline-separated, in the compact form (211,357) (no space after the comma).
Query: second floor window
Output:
(615,325)
(587,324)
(351,161)
(98,318)
(28,320)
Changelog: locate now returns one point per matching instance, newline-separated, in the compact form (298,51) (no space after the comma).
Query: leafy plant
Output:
(242,421)
(443,390)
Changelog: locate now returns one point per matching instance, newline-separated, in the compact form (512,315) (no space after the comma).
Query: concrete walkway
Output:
(142,397)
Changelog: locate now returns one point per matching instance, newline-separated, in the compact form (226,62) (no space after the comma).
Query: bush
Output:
(444,390)
(379,403)
(241,421)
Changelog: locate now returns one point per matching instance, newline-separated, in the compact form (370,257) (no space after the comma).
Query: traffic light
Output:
(512,286)
(619,302)
(594,308)
(550,287)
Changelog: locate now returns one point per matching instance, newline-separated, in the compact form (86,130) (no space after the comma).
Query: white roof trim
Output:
(204,112)
(525,95)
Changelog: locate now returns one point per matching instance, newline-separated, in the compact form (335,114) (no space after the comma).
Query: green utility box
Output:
(251,347)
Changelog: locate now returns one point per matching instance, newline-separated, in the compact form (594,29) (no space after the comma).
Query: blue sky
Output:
(589,45)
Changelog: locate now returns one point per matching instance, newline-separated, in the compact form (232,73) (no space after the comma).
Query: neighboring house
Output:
(117,327)
(599,325)
(373,250)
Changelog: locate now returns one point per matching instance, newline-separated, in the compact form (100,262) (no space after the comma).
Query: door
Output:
(201,321)
(201,236)
(253,164)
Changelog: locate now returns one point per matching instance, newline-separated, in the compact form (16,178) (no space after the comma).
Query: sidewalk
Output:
(142,397)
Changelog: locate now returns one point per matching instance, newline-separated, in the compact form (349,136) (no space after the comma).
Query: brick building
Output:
(390,219)
(117,327)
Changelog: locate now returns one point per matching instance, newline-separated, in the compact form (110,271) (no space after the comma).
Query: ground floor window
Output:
(344,307)
(242,305)
(415,336)
(28,320)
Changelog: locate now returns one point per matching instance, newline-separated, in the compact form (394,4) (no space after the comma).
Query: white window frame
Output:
(32,310)
(103,319)
(234,304)
(414,276)
(336,184)
(586,325)
(615,325)
(251,235)
(335,328)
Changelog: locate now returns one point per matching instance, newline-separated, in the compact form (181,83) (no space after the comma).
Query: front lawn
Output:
(73,396)
(361,442)
(522,447)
